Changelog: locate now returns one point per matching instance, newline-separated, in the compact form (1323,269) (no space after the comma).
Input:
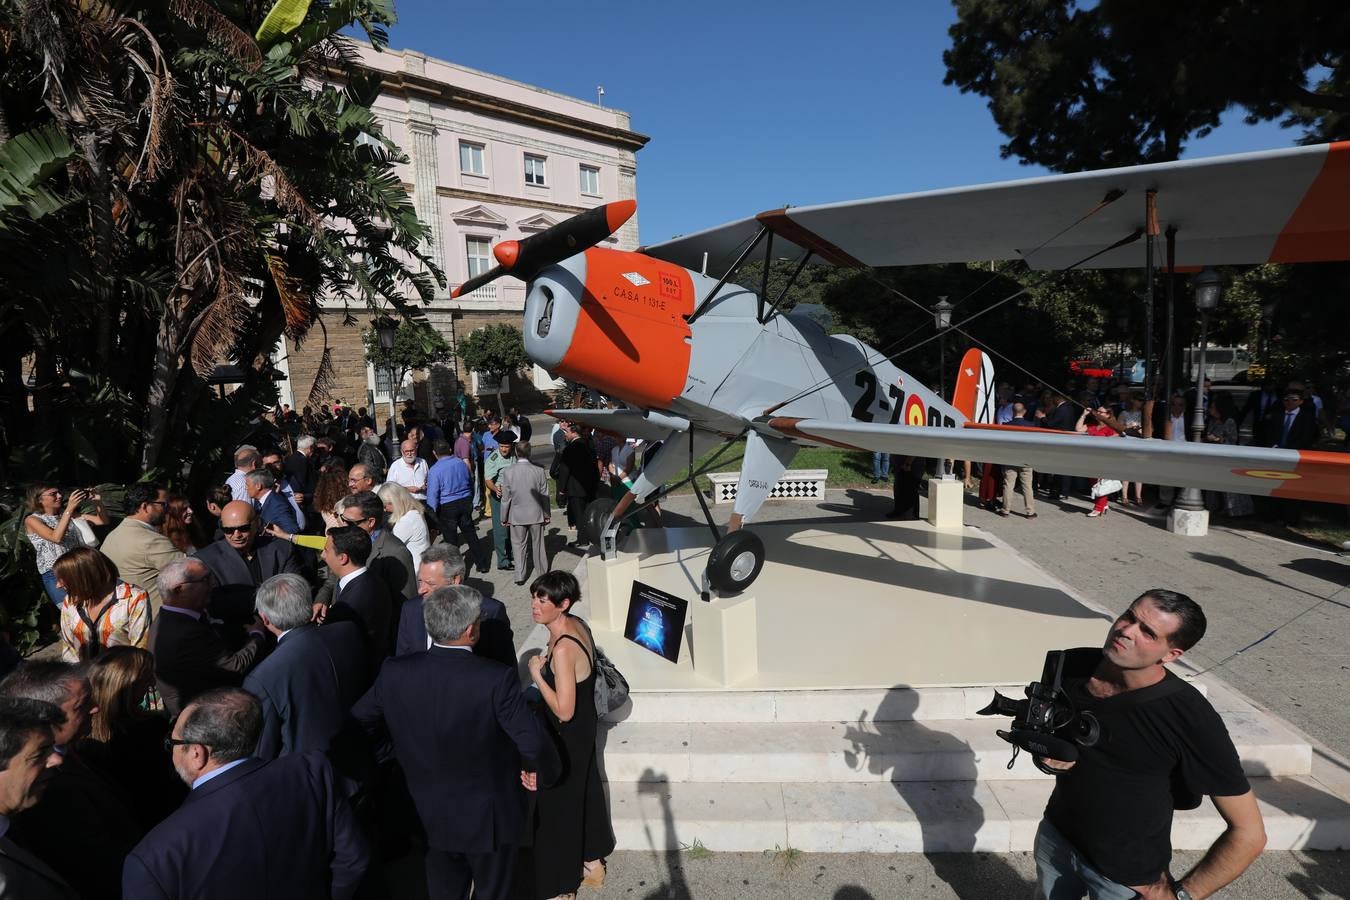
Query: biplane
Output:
(699,361)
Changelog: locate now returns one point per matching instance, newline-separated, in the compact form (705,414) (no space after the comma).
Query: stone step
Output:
(866,751)
(925,816)
(878,705)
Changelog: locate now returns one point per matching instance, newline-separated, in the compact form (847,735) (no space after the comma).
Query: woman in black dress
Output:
(572,832)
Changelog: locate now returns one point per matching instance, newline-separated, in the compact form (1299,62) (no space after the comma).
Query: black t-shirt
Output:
(1115,804)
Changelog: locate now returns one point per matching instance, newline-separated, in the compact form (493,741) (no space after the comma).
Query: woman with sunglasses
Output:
(52,530)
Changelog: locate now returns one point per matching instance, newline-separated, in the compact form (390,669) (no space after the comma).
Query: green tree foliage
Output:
(416,346)
(1060,316)
(497,351)
(185,195)
(1077,86)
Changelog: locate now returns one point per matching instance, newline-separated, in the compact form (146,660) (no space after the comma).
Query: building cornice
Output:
(409,85)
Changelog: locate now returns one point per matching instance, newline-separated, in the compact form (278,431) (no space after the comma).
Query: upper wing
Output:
(1294,474)
(1288,205)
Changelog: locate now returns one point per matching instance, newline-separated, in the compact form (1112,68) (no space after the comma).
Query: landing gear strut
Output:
(736,559)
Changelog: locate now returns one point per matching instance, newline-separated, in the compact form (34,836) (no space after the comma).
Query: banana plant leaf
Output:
(281,20)
(27,160)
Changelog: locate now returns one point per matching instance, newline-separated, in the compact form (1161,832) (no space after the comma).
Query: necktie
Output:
(1288,424)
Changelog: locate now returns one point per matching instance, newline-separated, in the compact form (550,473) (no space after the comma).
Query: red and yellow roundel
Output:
(1272,474)
(914,411)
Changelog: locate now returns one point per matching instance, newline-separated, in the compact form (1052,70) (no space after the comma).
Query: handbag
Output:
(1105,487)
(611,688)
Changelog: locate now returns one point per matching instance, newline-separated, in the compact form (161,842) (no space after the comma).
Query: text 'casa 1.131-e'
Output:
(699,361)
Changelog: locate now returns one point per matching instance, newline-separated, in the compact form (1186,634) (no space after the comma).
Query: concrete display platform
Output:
(859,605)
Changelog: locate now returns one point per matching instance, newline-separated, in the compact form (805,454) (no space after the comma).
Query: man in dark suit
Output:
(83,827)
(442,566)
(1292,425)
(361,596)
(191,655)
(273,507)
(1259,404)
(389,559)
(246,819)
(463,735)
(308,685)
(240,562)
(27,759)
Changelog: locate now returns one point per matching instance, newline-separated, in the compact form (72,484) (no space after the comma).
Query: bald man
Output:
(240,562)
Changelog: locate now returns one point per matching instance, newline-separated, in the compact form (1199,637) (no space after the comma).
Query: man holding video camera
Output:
(1107,827)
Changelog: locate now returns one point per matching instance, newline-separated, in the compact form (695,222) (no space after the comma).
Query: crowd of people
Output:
(315,675)
(1292,415)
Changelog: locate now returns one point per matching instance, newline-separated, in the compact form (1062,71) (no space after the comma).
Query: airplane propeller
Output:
(524,258)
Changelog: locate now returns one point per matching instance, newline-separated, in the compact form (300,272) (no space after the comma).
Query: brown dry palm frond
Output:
(220,31)
(260,164)
(220,324)
(158,103)
(325,376)
(295,303)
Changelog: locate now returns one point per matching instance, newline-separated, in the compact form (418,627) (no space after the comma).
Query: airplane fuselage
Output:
(617,321)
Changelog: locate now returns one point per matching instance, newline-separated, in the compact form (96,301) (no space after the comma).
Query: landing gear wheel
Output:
(594,519)
(735,562)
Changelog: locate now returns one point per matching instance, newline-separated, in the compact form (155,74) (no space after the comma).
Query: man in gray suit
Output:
(27,757)
(524,502)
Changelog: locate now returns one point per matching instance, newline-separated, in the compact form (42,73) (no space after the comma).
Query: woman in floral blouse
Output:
(100,609)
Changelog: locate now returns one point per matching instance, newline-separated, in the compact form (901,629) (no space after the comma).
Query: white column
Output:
(426,177)
(628,234)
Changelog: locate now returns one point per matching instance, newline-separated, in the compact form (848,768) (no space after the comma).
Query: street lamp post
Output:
(1122,323)
(1208,289)
(942,317)
(387,331)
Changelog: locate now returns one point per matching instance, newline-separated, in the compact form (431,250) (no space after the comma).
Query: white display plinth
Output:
(1188,522)
(725,638)
(946,504)
(721,635)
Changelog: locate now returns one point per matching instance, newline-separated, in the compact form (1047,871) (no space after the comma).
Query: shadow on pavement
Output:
(948,814)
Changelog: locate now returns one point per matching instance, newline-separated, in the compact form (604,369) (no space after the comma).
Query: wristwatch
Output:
(1181,892)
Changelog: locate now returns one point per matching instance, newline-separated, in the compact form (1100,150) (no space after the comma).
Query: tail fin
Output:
(974,393)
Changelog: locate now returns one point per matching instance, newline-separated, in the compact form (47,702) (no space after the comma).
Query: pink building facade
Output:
(490,160)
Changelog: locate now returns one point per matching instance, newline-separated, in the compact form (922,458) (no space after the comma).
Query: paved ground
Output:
(1250,585)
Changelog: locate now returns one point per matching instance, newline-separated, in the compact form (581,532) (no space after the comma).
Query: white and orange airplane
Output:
(700,361)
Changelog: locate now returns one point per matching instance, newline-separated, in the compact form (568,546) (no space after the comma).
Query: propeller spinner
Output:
(524,258)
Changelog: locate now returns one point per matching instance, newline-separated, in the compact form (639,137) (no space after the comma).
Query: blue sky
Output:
(753,106)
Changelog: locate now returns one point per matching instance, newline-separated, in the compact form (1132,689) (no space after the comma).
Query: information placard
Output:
(656,620)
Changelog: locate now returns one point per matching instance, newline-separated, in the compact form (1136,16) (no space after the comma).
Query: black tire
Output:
(735,562)
(594,519)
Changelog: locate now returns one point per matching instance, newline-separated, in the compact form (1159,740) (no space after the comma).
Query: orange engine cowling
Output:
(614,323)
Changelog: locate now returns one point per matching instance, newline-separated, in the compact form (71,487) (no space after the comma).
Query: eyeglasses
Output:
(171,742)
(352,521)
(233,529)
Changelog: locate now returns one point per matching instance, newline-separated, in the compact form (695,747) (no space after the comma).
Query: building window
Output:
(383,380)
(534,170)
(471,158)
(590,180)
(479,254)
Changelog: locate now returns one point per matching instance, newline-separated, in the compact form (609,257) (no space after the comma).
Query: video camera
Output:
(1047,724)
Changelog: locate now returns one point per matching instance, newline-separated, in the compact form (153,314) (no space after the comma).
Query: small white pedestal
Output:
(610,586)
(1188,522)
(724,642)
(946,504)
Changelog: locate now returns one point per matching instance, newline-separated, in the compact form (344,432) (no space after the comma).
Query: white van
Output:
(1222,364)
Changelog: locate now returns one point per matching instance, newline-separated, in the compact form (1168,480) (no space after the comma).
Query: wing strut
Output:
(721,282)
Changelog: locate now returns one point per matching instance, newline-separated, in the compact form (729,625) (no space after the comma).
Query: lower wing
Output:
(1263,471)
